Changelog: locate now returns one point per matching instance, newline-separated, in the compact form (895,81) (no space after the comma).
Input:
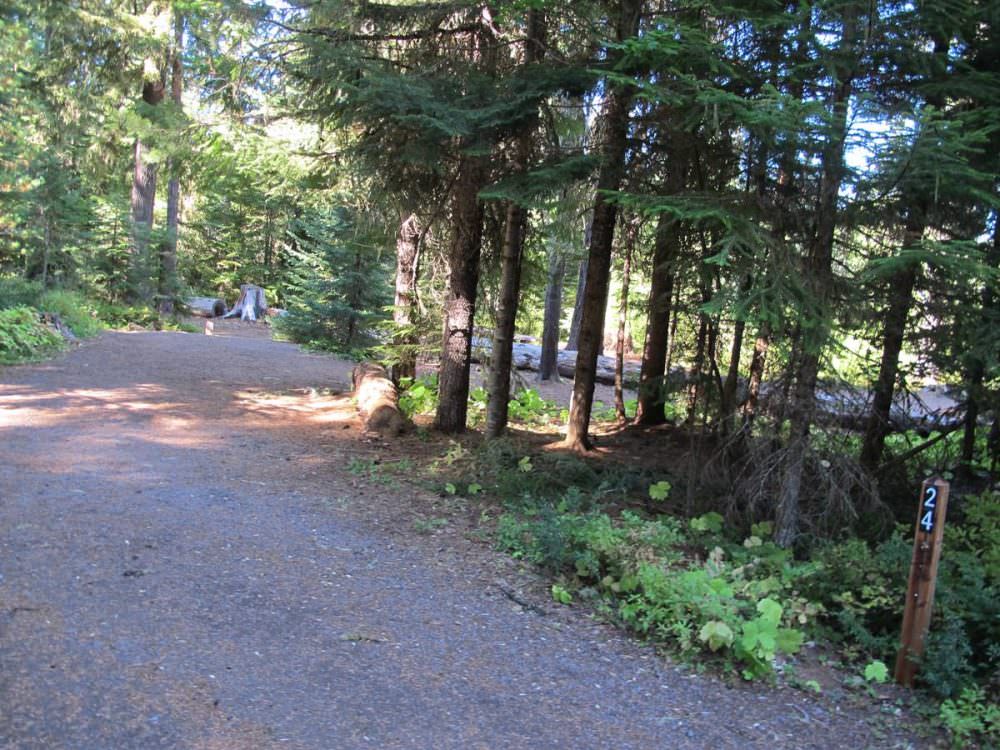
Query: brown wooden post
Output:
(923,577)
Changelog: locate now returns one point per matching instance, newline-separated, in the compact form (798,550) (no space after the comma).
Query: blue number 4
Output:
(927,522)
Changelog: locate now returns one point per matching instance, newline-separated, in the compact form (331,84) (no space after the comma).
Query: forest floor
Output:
(187,561)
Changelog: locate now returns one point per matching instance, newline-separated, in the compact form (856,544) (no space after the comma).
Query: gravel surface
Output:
(185,562)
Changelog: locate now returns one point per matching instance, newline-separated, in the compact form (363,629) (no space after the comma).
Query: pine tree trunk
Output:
(900,300)
(46,246)
(143,196)
(652,391)
(548,365)
(168,255)
(168,252)
(819,281)
(977,368)
(142,204)
(503,334)
(757,364)
(728,406)
(511,257)
(405,306)
(674,317)
(616,122)
(901,288)
(460,305)
(697,368)
(630,240)
(573,341)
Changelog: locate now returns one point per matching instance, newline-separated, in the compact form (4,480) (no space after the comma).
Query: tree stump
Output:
(251,304)
(378,399)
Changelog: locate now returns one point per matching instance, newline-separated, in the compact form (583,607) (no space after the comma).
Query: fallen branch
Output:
(510,594)
(920,447)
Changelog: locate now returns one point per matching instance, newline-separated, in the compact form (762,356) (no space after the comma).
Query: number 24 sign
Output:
(929,511)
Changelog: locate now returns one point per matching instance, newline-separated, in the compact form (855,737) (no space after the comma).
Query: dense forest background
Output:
(785,212)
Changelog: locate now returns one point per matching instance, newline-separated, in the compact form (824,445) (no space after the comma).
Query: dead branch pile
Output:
(836,491)
(53,321)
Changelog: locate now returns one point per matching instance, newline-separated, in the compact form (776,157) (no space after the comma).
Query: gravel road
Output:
(185,562)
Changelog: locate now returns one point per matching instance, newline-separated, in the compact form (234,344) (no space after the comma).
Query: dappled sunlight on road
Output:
(20,407)
(320,406)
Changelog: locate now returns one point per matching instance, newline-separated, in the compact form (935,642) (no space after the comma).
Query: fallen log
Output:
(527,356)
(251,304)
(206,307)
(377,399)
(837,404)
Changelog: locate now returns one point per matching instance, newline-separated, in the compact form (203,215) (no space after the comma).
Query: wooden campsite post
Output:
(923,577)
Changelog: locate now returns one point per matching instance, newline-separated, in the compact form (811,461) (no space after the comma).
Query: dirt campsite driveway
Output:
(185,562)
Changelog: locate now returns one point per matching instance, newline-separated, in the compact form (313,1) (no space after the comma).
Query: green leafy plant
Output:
(418,396)
(18,292)
(710,523)
(529,407)
(972,717)
(659,490)
(561,595)
(23,337)
(763,637)
(716,634)
(876,671)
(75,311)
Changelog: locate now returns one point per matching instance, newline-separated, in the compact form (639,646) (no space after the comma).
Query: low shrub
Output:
(703,589)
(18,292)
(418,395)
(740,602)
(74,310)
(24,338)
(864,588)
(121,316)
(972,717)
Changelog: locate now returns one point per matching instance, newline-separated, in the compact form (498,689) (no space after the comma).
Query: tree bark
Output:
(46,246)
(511,256)
(652,391)
(404,309)
(731,385)
(757,364)
(900,299)
(631,236)
(168,251)
(697,369)
(460,305)
(573,341)
(548,368)
(977,368)
(503,333)
(142,204)
(819,283)
(616,123)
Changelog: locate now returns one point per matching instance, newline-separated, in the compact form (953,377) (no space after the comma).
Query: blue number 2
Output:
(927,521)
